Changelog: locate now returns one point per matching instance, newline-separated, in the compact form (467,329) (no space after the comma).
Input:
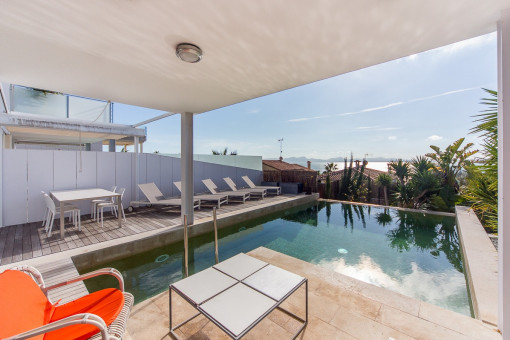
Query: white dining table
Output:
(68,196)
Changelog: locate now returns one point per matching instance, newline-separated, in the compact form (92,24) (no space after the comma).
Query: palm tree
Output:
(401,169)
(424,180)
(482,180)
(384,180)
(330,167)
(451,161)
(224,152)
(448,164)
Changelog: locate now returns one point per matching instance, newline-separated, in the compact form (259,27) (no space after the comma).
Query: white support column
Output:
(187,166)
(136,168)
(504,173)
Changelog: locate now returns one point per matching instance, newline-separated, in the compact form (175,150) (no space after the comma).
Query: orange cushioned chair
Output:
(26,311)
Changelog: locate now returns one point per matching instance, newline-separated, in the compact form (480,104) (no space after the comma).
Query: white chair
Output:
(94,203)
(53,211)
(45,219)
(112,205)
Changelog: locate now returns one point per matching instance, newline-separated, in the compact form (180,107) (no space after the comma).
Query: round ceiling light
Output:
(189,53)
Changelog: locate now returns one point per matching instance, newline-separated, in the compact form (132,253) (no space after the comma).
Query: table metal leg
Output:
(119,211)
(62,219)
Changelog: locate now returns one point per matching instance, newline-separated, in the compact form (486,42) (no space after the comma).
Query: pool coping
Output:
(432,212)
(480,260)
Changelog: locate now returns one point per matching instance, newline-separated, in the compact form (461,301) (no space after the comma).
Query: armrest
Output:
(86,318)
(33,272)
(105,271)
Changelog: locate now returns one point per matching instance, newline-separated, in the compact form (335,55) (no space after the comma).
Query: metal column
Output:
(187,166)
(136,169)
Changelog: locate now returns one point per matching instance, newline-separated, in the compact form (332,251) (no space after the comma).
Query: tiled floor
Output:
(340,307)
(27,241)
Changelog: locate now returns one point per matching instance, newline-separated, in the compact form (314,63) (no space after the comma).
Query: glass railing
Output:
(58,105)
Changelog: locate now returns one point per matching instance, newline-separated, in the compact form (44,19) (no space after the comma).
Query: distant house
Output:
(283,172)
(280,165)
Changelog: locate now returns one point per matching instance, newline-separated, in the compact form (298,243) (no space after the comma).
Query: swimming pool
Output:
(412,253)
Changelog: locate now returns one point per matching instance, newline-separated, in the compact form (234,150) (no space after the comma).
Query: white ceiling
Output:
(124,50)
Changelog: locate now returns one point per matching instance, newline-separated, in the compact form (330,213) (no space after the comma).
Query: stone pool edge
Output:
(480,260)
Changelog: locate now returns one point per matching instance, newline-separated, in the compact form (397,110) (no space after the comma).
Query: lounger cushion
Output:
(23,306)
(106,303)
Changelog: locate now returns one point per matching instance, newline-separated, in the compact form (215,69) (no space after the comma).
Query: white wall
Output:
(28,172)
(240,161)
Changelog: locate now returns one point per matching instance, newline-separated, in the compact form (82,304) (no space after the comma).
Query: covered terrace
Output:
(124,51)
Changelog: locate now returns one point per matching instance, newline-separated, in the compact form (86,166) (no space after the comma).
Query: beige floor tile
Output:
(350,300)
(280,318)
(362,327)
(318,329)
(267,329)
(161,301)
(414,326)
(148,322)
(392,299)
(322,307)
(457,322)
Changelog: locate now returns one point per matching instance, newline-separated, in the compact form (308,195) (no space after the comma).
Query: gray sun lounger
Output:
(256,192)
(253,186)
(218,199)
(209,184)
(155,197)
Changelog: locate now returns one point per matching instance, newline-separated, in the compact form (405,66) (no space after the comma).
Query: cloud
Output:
(254,111)
(376,128)
(306,118)
(434,138)
(370,109)
(392,137)
(443,94)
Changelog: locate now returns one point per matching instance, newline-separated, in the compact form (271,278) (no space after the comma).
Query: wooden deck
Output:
(26,241)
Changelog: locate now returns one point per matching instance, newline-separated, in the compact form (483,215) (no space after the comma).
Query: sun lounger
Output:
(218,199)
(252,185)
(231,194)
(256,192)
(155,197)
(27,312)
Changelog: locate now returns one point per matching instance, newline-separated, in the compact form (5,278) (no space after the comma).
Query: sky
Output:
(393,110)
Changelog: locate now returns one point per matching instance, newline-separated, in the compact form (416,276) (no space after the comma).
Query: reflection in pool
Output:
(412,253)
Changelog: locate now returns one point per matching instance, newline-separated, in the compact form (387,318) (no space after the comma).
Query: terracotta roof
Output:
(281,165)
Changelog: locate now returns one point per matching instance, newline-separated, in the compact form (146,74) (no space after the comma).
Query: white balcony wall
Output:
(240,161)
(28,172)
(89,109)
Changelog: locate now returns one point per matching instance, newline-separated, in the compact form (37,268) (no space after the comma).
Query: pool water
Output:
(412,253)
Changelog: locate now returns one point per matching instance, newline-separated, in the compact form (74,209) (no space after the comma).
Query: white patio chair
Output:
(53,211)
(112,205)
(94,203)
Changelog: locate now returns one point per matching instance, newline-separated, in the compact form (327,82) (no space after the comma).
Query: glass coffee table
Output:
(238,293)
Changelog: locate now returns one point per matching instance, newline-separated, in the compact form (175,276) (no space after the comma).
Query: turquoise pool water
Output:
(415,254)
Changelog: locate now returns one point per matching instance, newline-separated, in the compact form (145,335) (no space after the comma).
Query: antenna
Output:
(281,147)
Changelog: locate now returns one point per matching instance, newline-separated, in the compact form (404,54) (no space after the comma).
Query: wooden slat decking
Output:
(26,241)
